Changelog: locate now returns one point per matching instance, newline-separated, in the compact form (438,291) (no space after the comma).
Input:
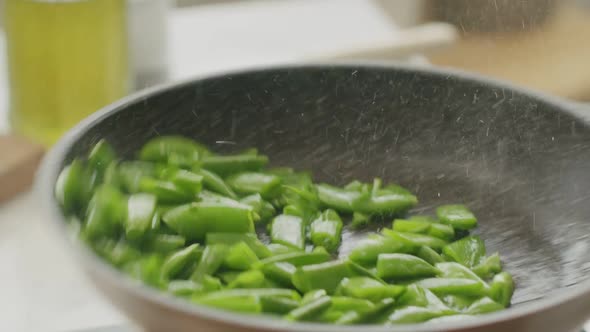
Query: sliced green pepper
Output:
(279,249)
(299,258)
(502,288)
(483,306)
(345,303)
(180,260)
(313,295)
(130,173)
(368,249)
(416,240)
(165,243)
(211,260)
(268,186)
(250,239)
(370,316)
(288,230)
(408,315)
(441,231)
(310,310)
(215,183)
(359,220)
(455,286)
(277,305)
(279,272)
(186,180)
(457,216)
(326,230)
(160,149)
(101,156)
(106,212)
(165,191)
(403,266)
(368,288)
(488,266)
(226,165)
(325,276)
(336,198)
(240,257)
(248,279)
(468,251)
(428,254)
(70,187)
(263,208)
(195,220)
(140,212)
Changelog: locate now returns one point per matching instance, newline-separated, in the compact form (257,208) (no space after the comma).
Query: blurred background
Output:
(63,60)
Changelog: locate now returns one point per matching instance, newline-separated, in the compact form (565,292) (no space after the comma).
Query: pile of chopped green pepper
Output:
(190,222)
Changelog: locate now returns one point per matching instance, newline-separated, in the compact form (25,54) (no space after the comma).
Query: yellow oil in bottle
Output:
(66,59)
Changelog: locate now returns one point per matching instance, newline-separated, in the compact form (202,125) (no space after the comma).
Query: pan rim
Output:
(88,260)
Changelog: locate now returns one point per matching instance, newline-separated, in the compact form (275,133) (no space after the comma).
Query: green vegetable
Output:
(288,230)
(280,272)
(211,260)
(140,212)
(310,310)
(299,258)
(457,216)
(165,243)
(240,257)
(483,306)
(261,207)
(429,255)
(101,156)
(250,239)
(368,288)
(165,191)
(248,279)
(325,276)
(277,305)
(502,288)
(455,286)
(226,165)
(368,249)
(160,149)
(338,199)
(70,187)
(489,266)
(192,223)
(268,186)
(403,266)
(468,251)
(180,260)
(326,230)
(415,240)
(215,183)
(359,220)
(195,220)
(106,212)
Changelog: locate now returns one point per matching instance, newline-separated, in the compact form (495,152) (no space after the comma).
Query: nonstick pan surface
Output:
(519,160)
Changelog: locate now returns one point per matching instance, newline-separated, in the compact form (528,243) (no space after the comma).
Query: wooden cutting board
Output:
(19,159)
(554,58)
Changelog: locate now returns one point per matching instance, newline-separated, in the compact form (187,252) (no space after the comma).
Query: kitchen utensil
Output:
(517,158)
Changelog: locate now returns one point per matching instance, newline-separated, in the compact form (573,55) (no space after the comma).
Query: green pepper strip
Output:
(226,165)
(326,230)
(250,239)
(289,231)
(310,310)
(195,220)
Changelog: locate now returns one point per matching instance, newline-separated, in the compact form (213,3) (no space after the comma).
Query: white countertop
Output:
(43,289)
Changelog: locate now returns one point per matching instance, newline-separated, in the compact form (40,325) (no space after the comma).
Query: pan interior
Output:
(519,163)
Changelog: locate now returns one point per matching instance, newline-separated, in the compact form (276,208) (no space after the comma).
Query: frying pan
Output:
(519,159)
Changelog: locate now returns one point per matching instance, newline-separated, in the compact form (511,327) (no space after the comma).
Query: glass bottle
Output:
(66,59)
